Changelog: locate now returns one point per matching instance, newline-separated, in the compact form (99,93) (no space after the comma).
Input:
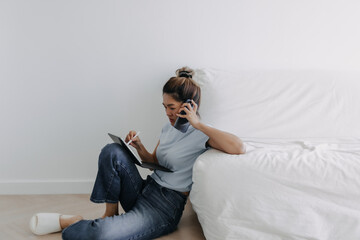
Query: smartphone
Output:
(182,124)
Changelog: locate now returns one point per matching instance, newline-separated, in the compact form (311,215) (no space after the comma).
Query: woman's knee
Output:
(112,154)
(111,148)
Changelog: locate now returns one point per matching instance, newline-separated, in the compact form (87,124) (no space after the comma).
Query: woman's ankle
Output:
(66,220)
(112,209)
(109,215)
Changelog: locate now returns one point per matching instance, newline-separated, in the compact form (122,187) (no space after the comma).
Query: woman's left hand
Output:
(190,113)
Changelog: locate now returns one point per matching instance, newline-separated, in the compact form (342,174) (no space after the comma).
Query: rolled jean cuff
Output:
(103,200)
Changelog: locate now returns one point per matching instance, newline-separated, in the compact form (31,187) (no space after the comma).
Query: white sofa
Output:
(300,176)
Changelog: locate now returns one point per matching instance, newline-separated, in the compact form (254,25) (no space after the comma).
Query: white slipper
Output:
(45,223)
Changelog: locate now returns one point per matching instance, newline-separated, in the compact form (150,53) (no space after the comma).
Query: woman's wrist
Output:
(140,148)
(199,126)
(144,154)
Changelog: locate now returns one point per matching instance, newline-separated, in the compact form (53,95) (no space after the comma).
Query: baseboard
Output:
(60,186)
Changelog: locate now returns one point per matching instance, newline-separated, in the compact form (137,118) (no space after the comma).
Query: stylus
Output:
(133,138)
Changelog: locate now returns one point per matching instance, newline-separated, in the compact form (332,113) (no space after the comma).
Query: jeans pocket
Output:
(175,204)
(180,196)
(168,197)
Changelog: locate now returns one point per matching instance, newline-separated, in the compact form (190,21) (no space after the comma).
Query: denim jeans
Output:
(150,209)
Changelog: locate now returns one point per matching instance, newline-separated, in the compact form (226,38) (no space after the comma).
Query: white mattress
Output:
(280,189)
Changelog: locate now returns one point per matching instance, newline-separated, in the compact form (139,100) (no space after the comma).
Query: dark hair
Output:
(183,87)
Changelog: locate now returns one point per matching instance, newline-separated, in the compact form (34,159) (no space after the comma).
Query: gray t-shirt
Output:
(178,152)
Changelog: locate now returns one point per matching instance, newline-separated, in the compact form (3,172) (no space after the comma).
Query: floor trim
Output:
(58,186)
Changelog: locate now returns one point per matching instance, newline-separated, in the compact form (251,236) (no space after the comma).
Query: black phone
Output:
(182,124)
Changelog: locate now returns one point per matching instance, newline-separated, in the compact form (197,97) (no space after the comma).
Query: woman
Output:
(153,207)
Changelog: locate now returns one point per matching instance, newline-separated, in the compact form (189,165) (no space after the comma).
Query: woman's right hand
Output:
(136,142)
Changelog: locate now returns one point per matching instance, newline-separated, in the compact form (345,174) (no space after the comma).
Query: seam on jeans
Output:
(111,180)
(131,178)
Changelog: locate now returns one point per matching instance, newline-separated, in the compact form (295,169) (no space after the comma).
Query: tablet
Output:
(135,158)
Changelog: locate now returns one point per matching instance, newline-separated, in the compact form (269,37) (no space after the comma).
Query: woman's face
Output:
(171,107)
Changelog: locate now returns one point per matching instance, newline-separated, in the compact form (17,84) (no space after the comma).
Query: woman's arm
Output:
(146,156)
(220,140)
(223,141)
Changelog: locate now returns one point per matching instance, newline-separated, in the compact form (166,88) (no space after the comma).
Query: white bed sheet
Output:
(281,104)
(280,189)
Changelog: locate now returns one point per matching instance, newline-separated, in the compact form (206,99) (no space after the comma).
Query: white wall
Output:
(71,71)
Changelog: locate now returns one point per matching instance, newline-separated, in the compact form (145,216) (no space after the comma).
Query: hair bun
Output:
(185,72)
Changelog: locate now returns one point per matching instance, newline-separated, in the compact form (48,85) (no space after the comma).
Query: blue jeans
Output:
(150,209)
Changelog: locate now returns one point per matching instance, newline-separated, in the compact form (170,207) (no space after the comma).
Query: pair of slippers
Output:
(45,223)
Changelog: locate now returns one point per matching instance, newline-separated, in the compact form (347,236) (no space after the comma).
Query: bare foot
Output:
(66,220)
